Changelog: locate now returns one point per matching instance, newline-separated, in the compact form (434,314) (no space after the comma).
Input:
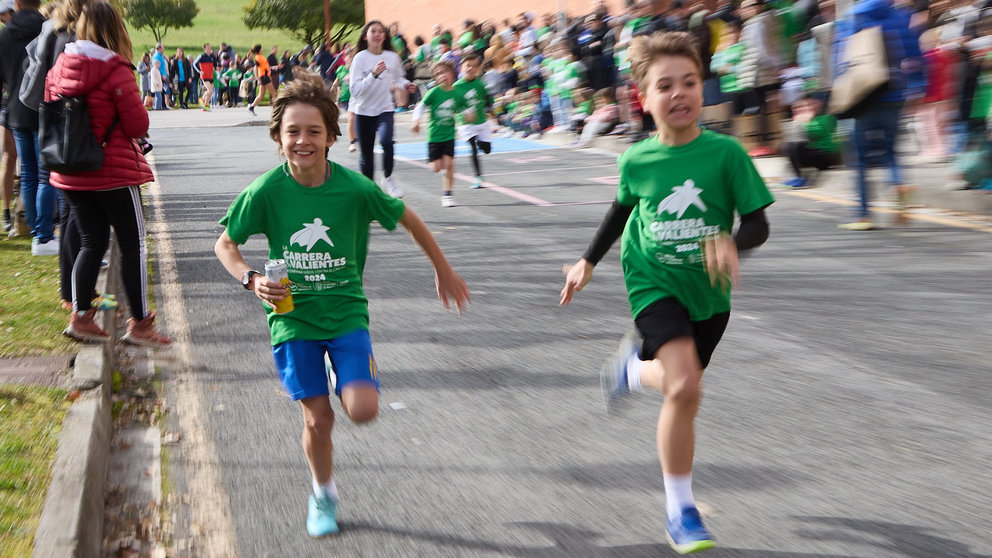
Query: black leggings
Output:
(95,213)
(477,146)
(802,155)
(69,245)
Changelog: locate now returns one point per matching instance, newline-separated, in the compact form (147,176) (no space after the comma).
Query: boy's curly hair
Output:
(644,50)
(309,89)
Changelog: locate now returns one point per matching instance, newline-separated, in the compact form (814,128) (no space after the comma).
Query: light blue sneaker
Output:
(687,534)
(613,373)
(322,518)
(477,184)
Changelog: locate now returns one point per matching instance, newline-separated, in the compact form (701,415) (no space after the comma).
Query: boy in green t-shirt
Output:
(675,207)
(444,102)
(233,78)
(474,128)
(316,215)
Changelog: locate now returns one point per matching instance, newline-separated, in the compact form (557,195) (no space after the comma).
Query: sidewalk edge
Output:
(71,521)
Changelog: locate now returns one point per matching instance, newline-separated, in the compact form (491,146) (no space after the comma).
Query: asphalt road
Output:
(846,410)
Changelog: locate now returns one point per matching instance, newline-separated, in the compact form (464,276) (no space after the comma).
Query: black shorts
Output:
(667,319)
(438,149)
(264,80)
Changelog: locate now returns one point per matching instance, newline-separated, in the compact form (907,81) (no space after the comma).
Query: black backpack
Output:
(66,141)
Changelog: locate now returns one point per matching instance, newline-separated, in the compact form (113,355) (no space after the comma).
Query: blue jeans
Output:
(875,133)
(367,128)
(38,195)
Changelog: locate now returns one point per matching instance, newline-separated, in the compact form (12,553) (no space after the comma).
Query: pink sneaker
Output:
(83,328)
(142,332)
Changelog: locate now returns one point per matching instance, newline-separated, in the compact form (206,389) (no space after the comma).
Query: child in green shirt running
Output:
(675,207)
(444,102)
(315,215)
(473,126)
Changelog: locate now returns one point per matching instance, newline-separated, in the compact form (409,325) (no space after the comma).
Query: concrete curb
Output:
(72,518)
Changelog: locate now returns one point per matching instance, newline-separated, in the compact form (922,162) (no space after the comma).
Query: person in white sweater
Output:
(376,74)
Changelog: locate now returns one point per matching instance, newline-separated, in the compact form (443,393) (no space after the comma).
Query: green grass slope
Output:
(218,20)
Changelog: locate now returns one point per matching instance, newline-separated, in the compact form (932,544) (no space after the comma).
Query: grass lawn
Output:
(31,319)
(218,20)
(30,422)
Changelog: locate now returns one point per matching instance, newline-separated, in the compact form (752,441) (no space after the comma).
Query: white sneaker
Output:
(353,147)
(448,201)
(50,248)
(392,188)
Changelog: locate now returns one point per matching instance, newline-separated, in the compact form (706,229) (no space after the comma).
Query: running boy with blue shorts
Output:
(675,208)
(473,126)
(316,215)
(444,102)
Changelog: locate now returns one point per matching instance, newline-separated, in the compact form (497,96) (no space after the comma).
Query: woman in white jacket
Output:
(376,73)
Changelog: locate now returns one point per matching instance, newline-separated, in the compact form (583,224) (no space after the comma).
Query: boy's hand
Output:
(411,88)
(267,290)
(720,261)
(577,276)
(451,288)
(415,128)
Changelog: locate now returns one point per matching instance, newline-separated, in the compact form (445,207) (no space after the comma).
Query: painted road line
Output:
(934,219)
(489,185)
(210,505)
(525,160)
(555,169)
(607,180)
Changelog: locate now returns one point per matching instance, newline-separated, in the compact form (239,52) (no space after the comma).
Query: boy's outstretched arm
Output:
(577,276)
(450,286)
(229,254)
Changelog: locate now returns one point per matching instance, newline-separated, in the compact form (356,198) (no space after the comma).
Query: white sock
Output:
(634,364)
(330,489)
(678,494)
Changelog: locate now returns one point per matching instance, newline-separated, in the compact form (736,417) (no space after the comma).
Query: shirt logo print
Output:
(681,198)
(311,234)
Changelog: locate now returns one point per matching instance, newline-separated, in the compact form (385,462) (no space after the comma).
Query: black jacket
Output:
(22,29)
(187,70)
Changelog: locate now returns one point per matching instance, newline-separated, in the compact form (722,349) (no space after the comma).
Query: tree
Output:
(304,19)
(160,15)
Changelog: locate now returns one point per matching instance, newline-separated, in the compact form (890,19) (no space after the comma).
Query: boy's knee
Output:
(361,403)
(320,425)
(684,391)
(362,413)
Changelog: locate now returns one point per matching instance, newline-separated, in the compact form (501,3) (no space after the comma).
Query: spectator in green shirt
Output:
(820,148)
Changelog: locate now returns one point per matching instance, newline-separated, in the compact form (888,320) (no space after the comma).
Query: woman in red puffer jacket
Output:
(98,67)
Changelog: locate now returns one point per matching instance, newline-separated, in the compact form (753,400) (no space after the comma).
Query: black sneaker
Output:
(252,111)
(7,222)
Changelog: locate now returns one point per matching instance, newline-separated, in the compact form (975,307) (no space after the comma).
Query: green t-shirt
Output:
(466,39)
(821,131)
(982,104)
(681,195)
(233,77)
(323,234)
(444,106)
(474,96)
(731,57)
(345,90)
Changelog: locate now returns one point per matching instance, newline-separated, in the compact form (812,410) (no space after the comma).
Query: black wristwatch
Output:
(247,277)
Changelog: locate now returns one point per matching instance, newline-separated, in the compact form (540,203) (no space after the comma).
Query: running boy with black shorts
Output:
(675,208)
(474,128)
(316,215)
(444,102)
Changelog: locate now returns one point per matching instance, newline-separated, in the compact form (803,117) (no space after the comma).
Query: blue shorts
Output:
(300,364)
